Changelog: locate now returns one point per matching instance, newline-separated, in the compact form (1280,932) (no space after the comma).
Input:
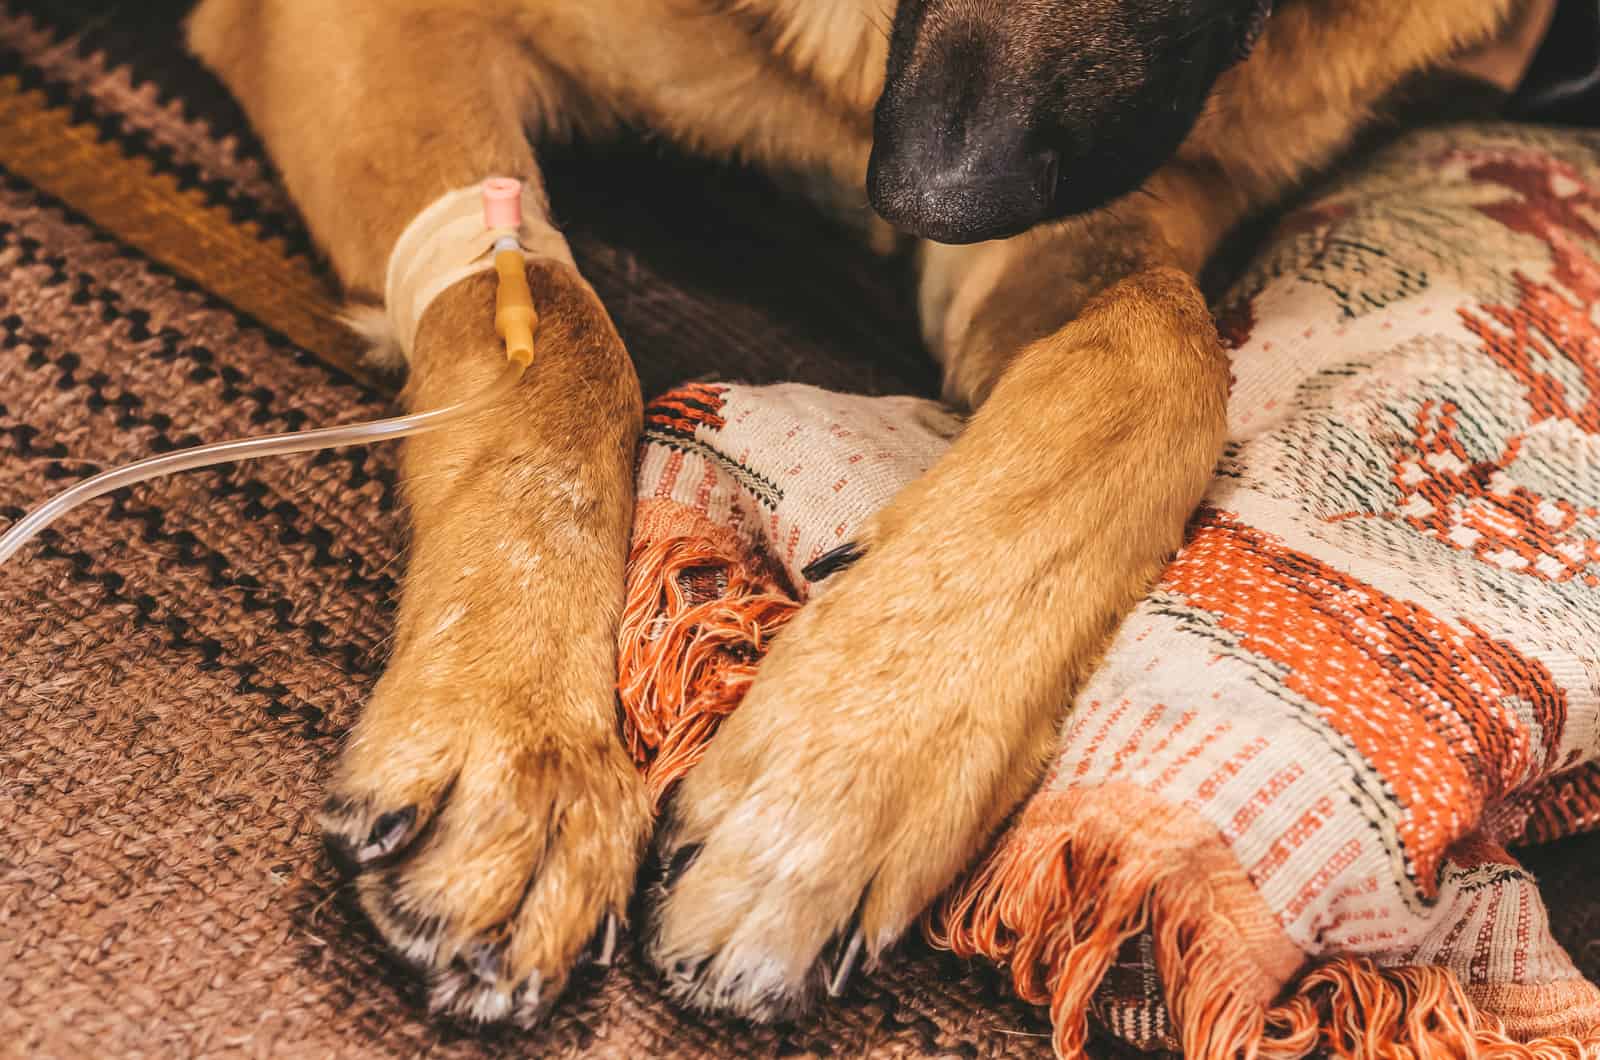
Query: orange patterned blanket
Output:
(1280,814)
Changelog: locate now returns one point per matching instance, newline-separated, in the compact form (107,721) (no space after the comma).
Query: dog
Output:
(1067,167)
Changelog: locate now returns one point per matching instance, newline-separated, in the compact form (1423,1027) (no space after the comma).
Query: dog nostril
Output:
(1049,177)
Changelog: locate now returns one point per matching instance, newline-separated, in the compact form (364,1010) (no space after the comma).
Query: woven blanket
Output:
(1279,817)
(177,668)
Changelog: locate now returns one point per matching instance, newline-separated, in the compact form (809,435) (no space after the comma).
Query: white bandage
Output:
(448,242)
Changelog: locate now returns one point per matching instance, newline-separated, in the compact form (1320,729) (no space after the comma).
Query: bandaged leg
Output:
(484,803)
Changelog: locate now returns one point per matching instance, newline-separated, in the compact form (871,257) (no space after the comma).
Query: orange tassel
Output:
(1058,906)
(697,618)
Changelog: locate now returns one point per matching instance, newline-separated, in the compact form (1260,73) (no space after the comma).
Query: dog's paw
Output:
(895,722)
(905,711)
(492,844)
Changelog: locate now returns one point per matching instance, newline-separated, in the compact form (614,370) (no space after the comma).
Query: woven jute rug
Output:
(179,664)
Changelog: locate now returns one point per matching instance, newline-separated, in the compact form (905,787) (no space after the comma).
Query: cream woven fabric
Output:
(1375,664)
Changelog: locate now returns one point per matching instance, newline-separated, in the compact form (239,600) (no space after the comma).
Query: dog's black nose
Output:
(957,156)
(963,186)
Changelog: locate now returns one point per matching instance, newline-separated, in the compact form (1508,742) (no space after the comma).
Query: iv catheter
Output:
(515,321)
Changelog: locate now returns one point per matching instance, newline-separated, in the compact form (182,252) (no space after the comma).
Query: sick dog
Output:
(1068,165)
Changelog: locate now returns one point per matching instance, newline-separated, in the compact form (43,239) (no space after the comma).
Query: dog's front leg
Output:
(914,703)
(484,800)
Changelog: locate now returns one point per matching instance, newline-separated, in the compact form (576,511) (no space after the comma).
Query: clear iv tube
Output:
(250,449)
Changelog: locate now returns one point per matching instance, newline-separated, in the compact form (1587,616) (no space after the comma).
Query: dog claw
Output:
(604,947)
(388,832)
(688,969)
(839,978)
(484,961)
(832,562)
(528,1003)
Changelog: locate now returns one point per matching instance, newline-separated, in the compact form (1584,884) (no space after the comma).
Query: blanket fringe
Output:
(1056,901)
(696,621)
(1057,906)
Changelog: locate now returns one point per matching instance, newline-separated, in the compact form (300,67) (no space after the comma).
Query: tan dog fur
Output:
(901,717)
